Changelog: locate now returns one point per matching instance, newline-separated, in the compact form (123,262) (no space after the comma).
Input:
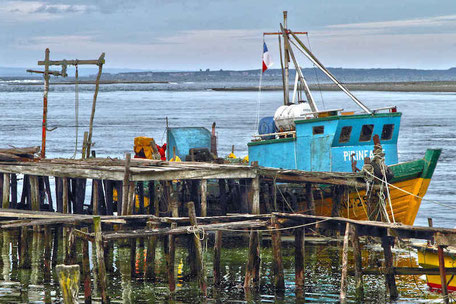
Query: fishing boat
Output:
(301,136)
(428,257)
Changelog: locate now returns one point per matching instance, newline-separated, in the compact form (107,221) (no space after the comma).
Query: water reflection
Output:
(127,284)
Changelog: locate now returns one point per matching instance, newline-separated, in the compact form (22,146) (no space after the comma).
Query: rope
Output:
(197,231)
(76,109)
(316,75)
(417,196)
(272,229)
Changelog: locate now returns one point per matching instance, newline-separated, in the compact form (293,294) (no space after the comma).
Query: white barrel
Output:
(285,116)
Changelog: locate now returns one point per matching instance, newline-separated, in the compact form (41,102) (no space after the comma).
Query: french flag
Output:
(267,61)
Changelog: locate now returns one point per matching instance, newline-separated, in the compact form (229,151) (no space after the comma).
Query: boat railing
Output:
(391,109)
(277,134)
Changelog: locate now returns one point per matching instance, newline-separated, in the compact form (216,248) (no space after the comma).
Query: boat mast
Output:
(312,104)
(312,58)
(286,96)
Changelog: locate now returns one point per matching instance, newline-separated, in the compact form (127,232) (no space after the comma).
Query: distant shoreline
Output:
(89,82)
(412,86)
(415,86)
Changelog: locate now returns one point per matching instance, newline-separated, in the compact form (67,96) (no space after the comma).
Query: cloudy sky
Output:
(215,34)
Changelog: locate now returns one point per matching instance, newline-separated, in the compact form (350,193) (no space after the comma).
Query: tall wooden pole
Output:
(45,103)
(94,103)
(443,275)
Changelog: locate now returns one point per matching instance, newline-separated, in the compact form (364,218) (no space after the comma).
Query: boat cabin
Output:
(328,143)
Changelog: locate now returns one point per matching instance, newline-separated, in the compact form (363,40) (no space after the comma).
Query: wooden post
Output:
(344,279)
(35,193)
(69,282)
(133,257)
(337,200)
(47,254)
(102,281)
(150,257)
(203,188)
(277,265)
(6,190)
(358,263)
(86,270)
(173,199)
(299,257)
(94,103)
(256,195)
(310,199)
(96,208)
(443,274)
(125,184)
(200,271)
(84,145)
(251,275)
(217,256)
(389,276)
(70,254)
(171,254)
(45,103)
(131,205)
(141,197)
(14,191)
(109,186)
(65,197)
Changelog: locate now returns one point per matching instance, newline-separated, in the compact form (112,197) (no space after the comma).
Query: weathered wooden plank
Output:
(6,190)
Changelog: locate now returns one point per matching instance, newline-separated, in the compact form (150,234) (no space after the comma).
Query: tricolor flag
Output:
(267,61)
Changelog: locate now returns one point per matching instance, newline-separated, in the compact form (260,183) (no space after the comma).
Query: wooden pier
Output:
(176,205)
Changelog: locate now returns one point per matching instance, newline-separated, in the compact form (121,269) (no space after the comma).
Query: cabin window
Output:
(318,130)
(387,132)
(366,132)
(345,134)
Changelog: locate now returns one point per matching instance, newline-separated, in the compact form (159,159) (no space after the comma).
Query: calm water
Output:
(126,111)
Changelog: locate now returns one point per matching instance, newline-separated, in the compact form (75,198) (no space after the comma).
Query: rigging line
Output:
(417,196)
(316,74)
(76,108)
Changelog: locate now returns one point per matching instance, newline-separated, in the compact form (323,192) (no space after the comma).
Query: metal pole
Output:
(45,103)
(287,60)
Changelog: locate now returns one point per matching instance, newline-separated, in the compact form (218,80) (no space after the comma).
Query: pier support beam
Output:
(102,281)
(217,256)
(443,275)
(200,271)
(387,241)
(277,265)
(6,190)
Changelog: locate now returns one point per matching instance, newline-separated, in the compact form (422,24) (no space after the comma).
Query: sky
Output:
(215,34)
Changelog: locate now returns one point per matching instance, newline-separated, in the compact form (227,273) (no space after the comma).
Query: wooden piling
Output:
(68,276)
(125,184)
(86,270)
(140,186)
(443,274)
(299,234)
(170,258)
(253,264)
(150,255)
(359,289)
(131,198)
(35,193)
(217,256)
(96,208)
(6,190)
(389,276)
(102,280)
(200,271)
(65,196)
(13,191)
(344,278)
(203,190)
(310,199)
(277,264)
